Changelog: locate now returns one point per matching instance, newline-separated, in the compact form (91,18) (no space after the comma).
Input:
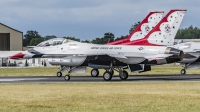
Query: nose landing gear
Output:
(183,71)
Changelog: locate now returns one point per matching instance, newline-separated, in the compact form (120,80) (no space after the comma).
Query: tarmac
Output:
(74,79)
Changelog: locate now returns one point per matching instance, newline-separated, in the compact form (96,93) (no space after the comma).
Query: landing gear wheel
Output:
(107,76)
(183,72)
(94,72)
(123,75)
(59,74)
(67,77)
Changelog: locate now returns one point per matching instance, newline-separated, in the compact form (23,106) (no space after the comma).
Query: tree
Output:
(36,41)
(85,41)
(107,37)
(122,37)
(49,37)
(72,38)
(29,36)
(133,27)
(188,33)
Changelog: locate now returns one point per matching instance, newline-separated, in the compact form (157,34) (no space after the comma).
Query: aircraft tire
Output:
(94,72)
(59,74)
(123,75)
(183,72)
(67,77)
(107,76)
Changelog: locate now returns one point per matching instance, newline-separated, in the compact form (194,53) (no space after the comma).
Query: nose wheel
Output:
(183,72)
(67,77)
(59,74)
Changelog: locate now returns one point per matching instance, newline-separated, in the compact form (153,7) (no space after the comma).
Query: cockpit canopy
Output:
(53,42)
(180,42)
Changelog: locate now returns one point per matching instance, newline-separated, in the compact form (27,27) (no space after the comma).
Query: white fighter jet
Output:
(191,58)
(75,56)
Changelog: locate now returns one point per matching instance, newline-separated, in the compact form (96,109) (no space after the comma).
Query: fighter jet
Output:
(76,56)
(109,57)
(191,59)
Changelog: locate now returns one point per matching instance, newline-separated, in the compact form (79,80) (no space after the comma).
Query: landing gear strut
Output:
(111,71)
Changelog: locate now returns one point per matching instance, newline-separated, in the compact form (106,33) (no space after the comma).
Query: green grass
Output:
(98,97)
(51,71)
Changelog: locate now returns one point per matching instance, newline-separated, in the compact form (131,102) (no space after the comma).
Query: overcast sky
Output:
(88,19)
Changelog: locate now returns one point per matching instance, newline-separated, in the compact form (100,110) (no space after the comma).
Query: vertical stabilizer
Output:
(148,23)
(164,32)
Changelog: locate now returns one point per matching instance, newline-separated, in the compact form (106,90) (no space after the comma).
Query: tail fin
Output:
(164,32)
(143,28)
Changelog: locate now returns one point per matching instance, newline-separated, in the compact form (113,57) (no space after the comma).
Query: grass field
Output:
(51,71)
(101,97)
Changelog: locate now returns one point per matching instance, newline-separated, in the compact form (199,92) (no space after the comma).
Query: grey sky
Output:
(88,19)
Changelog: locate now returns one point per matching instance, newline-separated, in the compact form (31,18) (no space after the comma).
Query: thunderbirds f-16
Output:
(191,58)
(137,55)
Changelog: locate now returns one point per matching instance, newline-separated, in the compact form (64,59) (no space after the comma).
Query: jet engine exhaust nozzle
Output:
(176,54)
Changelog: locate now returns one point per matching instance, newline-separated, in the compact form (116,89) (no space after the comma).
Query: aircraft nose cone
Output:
(17,56)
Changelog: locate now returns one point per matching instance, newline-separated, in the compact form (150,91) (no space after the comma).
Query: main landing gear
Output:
(95,72)
(107,76)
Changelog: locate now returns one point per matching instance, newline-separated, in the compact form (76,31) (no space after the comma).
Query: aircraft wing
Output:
(197,50)
(190,55)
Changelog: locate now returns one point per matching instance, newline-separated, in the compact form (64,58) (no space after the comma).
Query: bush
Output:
(9,64)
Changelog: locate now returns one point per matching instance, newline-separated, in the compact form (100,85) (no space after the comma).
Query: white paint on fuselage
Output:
(95,49)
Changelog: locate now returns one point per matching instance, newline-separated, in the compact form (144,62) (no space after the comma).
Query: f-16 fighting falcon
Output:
(191,58)
(75,56)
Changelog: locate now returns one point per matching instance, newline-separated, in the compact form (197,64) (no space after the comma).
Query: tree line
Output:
(32,38)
